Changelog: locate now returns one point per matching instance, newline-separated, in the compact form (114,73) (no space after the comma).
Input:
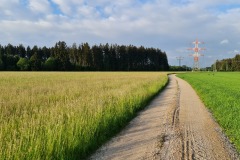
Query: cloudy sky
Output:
(170,25)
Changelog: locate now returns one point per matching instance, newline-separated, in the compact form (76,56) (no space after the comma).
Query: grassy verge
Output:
(68,115)
(220,93)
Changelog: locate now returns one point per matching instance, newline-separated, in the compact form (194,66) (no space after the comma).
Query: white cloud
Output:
(236,51)
(63,6)
(225,41)
(68,7)
(6,8)
(167,24)
(42,6)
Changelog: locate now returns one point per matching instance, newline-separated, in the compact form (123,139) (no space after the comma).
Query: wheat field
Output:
(67,115)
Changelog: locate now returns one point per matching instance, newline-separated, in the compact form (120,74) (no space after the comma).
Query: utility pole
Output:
(215,66)
(226,65)
(179,60)
(196,54)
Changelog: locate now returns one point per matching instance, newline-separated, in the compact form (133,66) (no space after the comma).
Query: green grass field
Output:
(220,92)
(56,115)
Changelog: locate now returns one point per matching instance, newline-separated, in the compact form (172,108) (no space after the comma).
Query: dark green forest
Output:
(230,64)
(82,57)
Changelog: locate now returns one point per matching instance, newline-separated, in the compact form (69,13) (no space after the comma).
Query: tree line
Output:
(82,57)
(180,68)
(230,64)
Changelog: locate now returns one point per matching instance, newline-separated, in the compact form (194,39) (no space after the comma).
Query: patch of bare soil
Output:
(175,125)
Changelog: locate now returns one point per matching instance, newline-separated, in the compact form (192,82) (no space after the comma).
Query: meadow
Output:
(220,93)
(67,115)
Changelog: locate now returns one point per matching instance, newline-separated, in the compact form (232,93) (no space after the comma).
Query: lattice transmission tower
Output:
(196,54)
(179,60)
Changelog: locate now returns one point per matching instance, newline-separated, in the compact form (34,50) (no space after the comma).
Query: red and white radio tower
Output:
(196,54)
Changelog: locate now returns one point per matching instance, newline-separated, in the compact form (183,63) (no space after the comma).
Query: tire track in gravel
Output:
(175,125)
(201,135)
(144,136)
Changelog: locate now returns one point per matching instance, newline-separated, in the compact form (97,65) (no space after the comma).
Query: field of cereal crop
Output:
(56,115)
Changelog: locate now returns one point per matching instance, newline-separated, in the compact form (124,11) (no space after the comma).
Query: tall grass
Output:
(68,115)
(220,93)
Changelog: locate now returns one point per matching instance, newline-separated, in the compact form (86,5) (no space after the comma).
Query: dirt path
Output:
(176,125)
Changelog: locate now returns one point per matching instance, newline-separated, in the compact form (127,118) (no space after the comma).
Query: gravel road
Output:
(175,125)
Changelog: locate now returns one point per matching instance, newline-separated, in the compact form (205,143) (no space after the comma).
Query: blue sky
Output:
(170,25)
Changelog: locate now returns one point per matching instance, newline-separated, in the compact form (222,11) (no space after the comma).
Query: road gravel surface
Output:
(174,126)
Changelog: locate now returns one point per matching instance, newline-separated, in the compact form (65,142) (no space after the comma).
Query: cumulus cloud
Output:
(42,6)
(68,7)
(167,24)
(225,41)
(236,51)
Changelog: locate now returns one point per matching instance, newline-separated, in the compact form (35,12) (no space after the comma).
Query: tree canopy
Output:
(230,64)
(82,57)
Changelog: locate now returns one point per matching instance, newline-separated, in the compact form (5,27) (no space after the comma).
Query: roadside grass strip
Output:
(220,92)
